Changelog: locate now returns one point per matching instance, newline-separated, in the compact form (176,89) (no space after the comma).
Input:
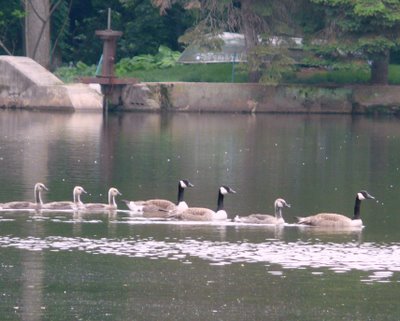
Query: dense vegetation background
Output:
(355,37)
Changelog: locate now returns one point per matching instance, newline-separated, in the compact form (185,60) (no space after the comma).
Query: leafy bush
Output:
(165,58)
(71,73)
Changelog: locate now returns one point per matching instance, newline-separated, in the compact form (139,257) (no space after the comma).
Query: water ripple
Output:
(381,260)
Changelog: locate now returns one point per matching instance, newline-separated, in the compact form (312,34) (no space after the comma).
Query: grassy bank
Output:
(227,73)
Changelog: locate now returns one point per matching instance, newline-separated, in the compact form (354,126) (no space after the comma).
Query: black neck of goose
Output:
(357,206)
(181,190)
(220,201)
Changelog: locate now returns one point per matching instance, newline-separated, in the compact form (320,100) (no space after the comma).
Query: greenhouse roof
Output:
(232,50)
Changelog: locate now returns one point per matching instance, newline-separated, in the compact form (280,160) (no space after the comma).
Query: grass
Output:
(192,73)
(225,73)
(344,76)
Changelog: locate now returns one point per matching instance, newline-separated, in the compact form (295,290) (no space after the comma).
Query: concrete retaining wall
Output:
(26,84)
(258,98)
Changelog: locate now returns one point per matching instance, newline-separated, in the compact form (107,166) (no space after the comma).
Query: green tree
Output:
(11,26)
(256,19)
(144,30)
(366,29)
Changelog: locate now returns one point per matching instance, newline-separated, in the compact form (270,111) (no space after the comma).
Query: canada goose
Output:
(112,204)
(39,187)
(76,204)
(205,214)
(338,220)
(266,218)
(141,207)
(162,205)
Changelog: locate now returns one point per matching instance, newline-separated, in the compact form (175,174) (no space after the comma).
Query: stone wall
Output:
(26,84)
(258,98)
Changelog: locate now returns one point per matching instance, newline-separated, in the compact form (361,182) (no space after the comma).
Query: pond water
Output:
(117,266)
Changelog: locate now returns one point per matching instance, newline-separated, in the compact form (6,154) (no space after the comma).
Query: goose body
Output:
(266,218)
(76,204)
(36,205)
(335,220)
(112,204)
(206,214)
(141,207)
(161,207)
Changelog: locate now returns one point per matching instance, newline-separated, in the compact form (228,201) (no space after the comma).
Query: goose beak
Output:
(369,196)
(287,205)
(191,185)
(232,191)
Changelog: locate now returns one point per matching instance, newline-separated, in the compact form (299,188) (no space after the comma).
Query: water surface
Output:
(117,266)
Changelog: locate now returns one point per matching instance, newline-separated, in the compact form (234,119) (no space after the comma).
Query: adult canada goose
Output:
(266,218)
(76,204)
(112,204)
(205,214)
(36,205)
(338,220)
(162,205)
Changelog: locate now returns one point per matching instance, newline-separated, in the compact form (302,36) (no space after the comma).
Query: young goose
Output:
(162,205)
(39,187)
(266,218)
(338,220)
(205,214)
(112,204)
(76,204)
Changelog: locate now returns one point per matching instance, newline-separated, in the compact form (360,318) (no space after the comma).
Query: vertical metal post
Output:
(109,19)
(233,67)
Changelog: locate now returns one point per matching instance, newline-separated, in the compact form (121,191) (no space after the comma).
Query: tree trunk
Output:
(37,31)
(250,38)
(380,69)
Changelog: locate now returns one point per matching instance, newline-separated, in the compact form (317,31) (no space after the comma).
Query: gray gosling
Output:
(277,219)
(111,206)
(36,205)
(76,204)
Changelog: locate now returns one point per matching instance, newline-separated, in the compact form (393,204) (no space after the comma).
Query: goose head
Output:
(184,183)
(225,190)
(364,195)
(112,193)
(280,203)
(77,192)
(39,187)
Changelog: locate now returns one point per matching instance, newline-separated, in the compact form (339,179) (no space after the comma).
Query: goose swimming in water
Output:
(205,214)
(76,204)
(338,220)
(112,204)
(266,218)
(36,205)
(161,206)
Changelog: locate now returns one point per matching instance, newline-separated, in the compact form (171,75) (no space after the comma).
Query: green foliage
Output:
(11,26)
(165,58)
(193,73)
(271,62)
(370,27)
(70,74)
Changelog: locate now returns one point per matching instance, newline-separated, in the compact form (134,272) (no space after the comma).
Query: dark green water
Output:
(65,266)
